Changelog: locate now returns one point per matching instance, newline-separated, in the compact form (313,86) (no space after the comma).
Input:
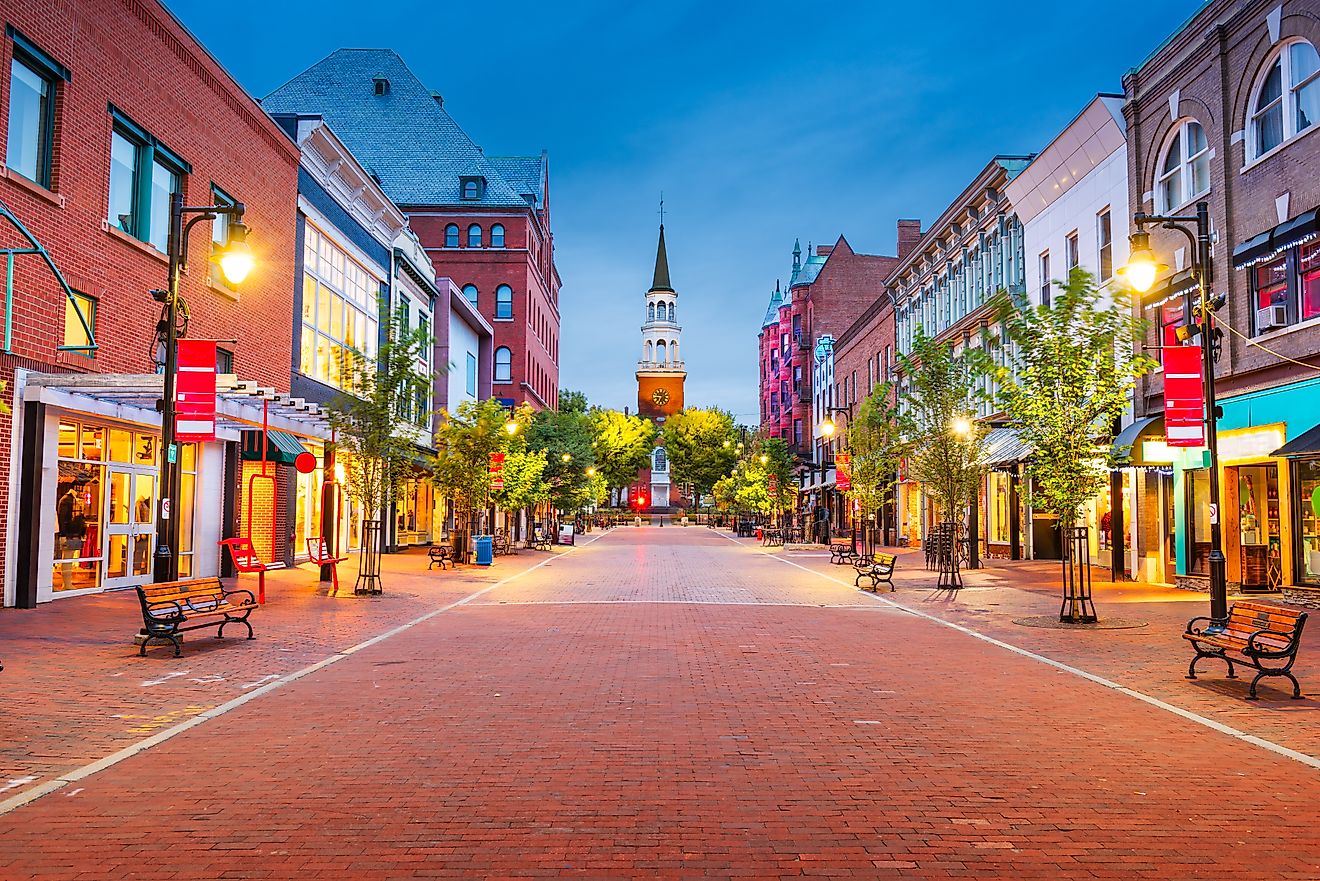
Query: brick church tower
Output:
(660,374)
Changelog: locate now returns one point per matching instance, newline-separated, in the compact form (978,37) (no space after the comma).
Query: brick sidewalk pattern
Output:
(669,703)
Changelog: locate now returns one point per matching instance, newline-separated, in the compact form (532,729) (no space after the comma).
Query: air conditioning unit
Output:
(1271,317)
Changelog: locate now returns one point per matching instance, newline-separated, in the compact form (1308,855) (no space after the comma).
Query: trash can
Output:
(485,551)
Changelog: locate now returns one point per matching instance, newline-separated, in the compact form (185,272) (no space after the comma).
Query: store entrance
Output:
(1258,524)
(130,526)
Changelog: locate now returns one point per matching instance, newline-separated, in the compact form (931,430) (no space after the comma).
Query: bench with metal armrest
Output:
(171,608)
(879,568)
(1257,635)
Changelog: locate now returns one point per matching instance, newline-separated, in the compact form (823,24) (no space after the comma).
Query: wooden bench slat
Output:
(1259,635)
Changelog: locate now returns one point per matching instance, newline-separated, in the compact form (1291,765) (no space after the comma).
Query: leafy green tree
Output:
(943,391)
(701,446)
(376,419)
(621,444)
(524,480)
(565,436)
(464,441)
(1066,378)
(877,442)
(572,401)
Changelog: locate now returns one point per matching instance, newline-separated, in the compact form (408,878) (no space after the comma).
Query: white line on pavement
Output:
(30,795)
(1261,742)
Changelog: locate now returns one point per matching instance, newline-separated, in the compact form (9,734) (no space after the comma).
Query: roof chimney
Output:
(909,234)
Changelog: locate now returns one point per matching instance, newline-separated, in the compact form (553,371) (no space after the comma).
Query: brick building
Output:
(484,221)
(109,108)
(1223,112)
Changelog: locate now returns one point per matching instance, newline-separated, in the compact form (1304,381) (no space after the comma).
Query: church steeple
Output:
(660,281)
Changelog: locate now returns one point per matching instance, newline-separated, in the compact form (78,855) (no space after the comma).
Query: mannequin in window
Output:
(71,526)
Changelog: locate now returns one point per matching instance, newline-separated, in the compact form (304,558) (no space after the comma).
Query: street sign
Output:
(1184,397)
(496,484)
(773,483)
(164,509)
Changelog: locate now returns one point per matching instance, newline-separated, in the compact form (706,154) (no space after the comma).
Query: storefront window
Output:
(1258,522)
(1306,519)
(1310,286)
(998,499)
(187,496)
(1198,521)
(1271,283)
(79,508)
(339,309)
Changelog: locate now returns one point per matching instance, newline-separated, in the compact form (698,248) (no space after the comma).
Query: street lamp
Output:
(591,472)
(511,426)
(567,457)
(1141,271)
(236,262)
(764,458)
(961,426)
(828,428)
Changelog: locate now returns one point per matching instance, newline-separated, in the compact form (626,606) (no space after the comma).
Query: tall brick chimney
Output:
(909,233)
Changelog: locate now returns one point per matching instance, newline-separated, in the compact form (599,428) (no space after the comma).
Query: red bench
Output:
(320,555)
(246,561)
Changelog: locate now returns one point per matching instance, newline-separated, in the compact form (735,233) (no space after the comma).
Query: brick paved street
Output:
(654,703)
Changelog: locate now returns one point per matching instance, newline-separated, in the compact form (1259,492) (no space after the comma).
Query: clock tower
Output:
(660,373)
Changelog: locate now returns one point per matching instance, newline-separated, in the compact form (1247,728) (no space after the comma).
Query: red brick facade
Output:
(133,55)
(526,264)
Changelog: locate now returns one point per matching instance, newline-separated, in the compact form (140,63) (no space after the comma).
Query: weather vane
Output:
(662,207)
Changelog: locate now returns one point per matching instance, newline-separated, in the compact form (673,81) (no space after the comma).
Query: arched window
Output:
(1185,172)
(470,291)
(497,236)
(504,301)
(660,357)
(673,350)
(451,236)
(474,236)
(671,311)
(471,190)
(1287,100)
(647,358)
(503,364)
(650,311)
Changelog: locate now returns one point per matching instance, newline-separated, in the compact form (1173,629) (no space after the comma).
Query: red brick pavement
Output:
(665,703)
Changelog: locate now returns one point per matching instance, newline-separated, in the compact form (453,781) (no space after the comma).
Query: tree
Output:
(560,434)
(943,390)
(464,441)
(572,401)
(751,486)
(524,480)
(877,442)
(1067,376)
(381,396)
(701,447)
(621,445)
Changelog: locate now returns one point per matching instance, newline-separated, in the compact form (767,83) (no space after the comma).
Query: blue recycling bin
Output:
(485,550)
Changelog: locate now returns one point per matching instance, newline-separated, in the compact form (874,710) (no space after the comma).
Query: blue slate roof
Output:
(772,312)
(807,274)
(405,138)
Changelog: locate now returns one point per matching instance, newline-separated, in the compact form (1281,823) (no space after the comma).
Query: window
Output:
(473,187)
(1309,292)
(504,301)
(340,309)
(29,147)
(144,175)
(224,360)
(1070,255)
(1185,173)
(650,312)
(1279,114)
(474,236)
(470,190)
(471,385)
(497,236)
(81,308)
(451,236)
(1045,282)
(503,364)
(382,85)
(1104,237)
(470,291)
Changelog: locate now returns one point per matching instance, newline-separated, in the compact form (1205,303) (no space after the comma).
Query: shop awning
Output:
(1004,446)
(1267,245)
(1305,444)
(1127,446)
(282,448)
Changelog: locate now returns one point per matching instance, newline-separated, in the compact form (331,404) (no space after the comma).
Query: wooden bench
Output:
(170,608)
(540,541)
(319,553)
(877,567)
(501,545)
(246,561)
(439,555)
(1255,633)
(841,553)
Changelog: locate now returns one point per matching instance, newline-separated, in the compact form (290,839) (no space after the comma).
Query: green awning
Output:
(283,448)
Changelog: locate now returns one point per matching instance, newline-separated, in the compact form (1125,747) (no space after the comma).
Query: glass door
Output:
(130,527)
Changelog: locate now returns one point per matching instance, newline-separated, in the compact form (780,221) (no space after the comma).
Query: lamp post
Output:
(962,427)
(235,262)
(828,428)
(1141,271)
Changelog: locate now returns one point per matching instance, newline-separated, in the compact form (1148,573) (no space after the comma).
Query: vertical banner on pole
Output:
(1184,397)
(194,420)
(843,471)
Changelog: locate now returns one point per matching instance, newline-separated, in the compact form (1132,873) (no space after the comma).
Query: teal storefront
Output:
(1269,451)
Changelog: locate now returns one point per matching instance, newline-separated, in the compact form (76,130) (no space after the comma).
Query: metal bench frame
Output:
(879,568)
(246,561)
(164,620)
(1208,635)
(439,555)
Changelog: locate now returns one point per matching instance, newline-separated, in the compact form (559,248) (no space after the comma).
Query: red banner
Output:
(194,392)
(843,471)
(1184,397)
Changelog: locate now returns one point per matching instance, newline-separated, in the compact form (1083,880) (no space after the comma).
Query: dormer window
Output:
(382,85)
(473,187)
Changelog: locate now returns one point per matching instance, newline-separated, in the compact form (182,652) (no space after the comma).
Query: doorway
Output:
(1258,525)
(130,526)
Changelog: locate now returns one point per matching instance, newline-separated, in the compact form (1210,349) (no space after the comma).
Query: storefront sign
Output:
(194,408)
(1184,397)
(1249,444)
(843,472)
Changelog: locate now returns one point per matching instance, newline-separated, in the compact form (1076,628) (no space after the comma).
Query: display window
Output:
(1306,520)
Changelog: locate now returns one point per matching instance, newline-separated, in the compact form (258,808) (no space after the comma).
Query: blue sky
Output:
(760,122)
